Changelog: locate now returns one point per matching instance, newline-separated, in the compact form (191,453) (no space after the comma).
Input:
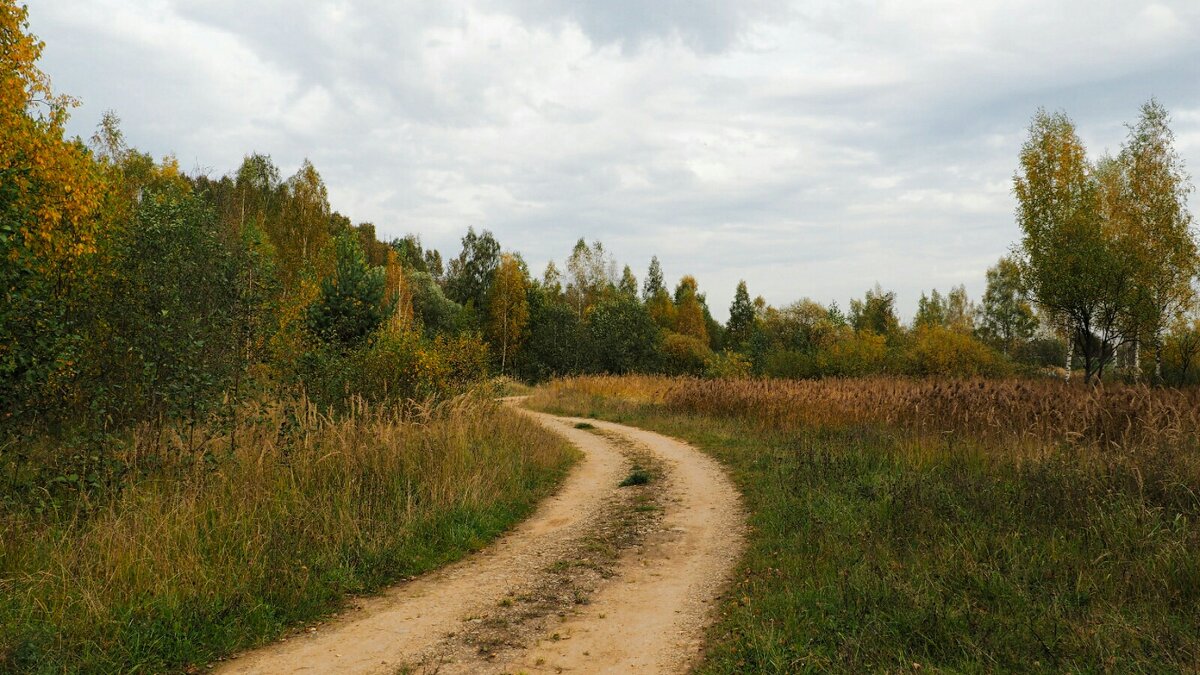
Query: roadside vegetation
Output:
(978,525)
(224,547)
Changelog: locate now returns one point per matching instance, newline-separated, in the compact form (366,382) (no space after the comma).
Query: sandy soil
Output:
(645,612)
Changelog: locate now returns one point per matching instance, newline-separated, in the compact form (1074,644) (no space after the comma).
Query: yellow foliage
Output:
(52,184)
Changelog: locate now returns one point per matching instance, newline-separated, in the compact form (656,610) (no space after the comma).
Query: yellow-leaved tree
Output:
(50,191)
(508,308)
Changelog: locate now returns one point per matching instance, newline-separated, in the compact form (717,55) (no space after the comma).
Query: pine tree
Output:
(352,304)
(741,319)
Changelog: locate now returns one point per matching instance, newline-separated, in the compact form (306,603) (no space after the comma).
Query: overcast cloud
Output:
(811,148)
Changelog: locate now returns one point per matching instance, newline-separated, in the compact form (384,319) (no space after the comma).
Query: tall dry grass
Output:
(224,544)
(996,411)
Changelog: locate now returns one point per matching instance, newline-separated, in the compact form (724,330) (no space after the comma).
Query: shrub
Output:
(939,351)
(684,354)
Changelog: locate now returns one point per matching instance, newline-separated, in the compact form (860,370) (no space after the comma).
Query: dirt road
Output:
(600,579)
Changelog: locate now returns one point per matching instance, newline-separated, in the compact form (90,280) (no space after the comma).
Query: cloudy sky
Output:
(811,148)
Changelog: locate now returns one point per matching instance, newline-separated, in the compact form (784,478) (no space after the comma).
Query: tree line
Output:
(135,291)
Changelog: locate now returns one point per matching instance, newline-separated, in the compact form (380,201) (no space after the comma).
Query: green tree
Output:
(556,341)
(1006,317)
(351,304)
(654,284)
(931,311)
(741,319)
(876,313)
(1072,260)
(1158,226)
(628,284)
(470,274)
(165,336)
(623,337)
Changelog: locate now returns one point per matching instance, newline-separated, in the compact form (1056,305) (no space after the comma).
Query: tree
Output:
(301,233)
(1158,226)
(654,283)
(741,319)
(1006,318)
(352,303)
(623,338)
(409,253)
(960,311)
(50,194)
(689,316)
(931,311)
(508,307)
(628,283)
(876,313)
(1072,261)
(556,342)
(591,271)
(165,333)
(552,281)
(470,274)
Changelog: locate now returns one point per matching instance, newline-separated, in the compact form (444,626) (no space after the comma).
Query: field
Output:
(210,551)
(975,526)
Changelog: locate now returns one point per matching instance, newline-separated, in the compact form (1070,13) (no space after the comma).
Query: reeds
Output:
(996,412)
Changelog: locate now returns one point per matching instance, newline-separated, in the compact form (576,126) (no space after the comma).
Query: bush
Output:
(394,366)
(938,351)
(727,364)
(684,354)
(862,353)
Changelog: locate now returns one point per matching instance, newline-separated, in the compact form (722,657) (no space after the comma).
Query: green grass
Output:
(638,476)
(177,571)
(872,551)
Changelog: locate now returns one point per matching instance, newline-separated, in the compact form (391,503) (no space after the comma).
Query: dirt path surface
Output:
(600,579)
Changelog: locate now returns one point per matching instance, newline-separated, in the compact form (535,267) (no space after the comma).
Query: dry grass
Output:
(225,547)
(1000,412)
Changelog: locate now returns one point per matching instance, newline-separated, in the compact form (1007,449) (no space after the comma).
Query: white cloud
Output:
(811,148)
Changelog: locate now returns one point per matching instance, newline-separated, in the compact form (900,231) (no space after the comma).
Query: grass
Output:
(208,555)
(638,476)
(890,538)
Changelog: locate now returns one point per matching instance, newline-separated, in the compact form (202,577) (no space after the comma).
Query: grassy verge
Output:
(880,548)
(228,550)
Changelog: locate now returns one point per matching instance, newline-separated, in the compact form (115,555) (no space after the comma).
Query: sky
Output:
(809,148)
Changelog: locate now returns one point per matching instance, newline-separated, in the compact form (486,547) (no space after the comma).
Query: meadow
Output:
(215,546)
(974,525)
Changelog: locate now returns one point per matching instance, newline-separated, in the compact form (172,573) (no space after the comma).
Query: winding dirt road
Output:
(643,608)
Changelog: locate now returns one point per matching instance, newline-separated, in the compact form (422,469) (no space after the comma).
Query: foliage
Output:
(684,354)
(1006,319)
(622,337)
(163,341)
(875,313)
(689,315)
(351,305)
(557,341)
(508,308)
(941,351)
(431,308)
(741,319)
(470,274)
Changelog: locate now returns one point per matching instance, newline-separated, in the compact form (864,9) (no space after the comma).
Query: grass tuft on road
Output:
(879,546)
